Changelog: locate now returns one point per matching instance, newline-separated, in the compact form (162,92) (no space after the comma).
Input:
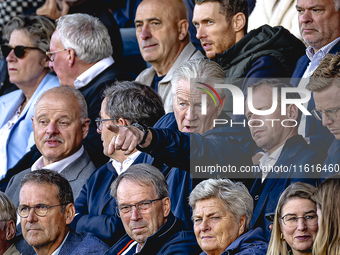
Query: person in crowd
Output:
(222,212)
(283,147)
(60,124)
(80,54)
(327,197)
(265,52)
(295,222)
(187,138)
(164,42)
(320,29)
(8,219)
(324,83)
(125,103)
(144,205)
(46,211)
(29,39)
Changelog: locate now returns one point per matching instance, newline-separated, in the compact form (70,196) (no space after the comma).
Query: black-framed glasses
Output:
(51,54)
(331,114)
(39,209)
(291,220)
(100,121)
(19,51)
(143,207)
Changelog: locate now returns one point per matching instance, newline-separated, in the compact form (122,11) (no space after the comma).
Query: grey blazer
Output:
(76,173)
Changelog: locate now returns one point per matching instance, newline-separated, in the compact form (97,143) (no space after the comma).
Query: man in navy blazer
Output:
(287,157)
(46,211)
(319,24)
(125,103)
(325,86)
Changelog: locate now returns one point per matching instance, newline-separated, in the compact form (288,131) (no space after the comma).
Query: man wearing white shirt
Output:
(319,23)
(60,124)
(286,152)
(80,54)
(46,210)
(125,103)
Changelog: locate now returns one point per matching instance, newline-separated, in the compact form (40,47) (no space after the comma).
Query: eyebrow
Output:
(311,7)
(148,20)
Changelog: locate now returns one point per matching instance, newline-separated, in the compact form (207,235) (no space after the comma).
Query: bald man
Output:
(164,42)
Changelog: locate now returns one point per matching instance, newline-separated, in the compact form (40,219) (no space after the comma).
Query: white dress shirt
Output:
(121,167)
(267,162)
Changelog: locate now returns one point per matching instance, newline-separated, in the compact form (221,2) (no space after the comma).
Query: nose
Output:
(135,214)
(305,17)
(32,217)
(301,224)
(52,128)
(326,121)
(204,225)
(254,121)
(145,33)
(200,32)
(11,56)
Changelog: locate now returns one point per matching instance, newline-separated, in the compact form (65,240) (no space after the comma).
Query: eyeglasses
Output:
(142,207)
(291,220)
(331,114)
(100,121)
(19,50)
(39,209)
(51,54)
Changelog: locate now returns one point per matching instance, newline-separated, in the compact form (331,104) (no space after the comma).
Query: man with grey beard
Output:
(60,124)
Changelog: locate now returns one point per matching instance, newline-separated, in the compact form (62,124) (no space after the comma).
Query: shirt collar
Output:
(56,252)
(121,167)
(322,52)
(87,76)
(57,166)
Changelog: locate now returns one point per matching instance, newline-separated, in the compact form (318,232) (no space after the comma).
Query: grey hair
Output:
(144,175)
(7,209)
(133,101)
(234,195)
(38,28)
(66,91)
(86,35)
(201,70)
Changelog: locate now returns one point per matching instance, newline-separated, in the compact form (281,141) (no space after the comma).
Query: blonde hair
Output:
(277,245)
(327,241)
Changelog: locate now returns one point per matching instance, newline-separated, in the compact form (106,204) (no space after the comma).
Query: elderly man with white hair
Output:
(222,211)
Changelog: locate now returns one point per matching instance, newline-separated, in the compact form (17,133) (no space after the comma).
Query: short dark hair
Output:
(145,175)
(230,7)
(49,177)
(275,83)
(133,101)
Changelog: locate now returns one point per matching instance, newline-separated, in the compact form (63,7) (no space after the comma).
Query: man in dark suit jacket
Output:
(47,227)
(287,158)
(326,90)
(60,124)
(321,31)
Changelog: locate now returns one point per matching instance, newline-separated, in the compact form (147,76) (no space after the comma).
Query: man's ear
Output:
(71,57)
(239,21)
(183,26)
(123,122)
(10,230)
(70,211)
(86,127)
(220,107)
(166,206)
(242,225)
(292,112)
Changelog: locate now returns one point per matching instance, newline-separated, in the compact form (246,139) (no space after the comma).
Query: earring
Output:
(282,237)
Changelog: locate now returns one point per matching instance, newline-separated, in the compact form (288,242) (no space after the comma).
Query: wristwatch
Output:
(143,128)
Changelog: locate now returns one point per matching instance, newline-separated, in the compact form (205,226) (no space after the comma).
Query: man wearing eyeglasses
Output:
(144,208)
(325,85)
(46,211)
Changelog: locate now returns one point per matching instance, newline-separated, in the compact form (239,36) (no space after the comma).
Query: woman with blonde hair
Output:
(327,196)
(295,222)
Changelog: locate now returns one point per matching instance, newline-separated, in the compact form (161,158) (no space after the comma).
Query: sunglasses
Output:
(19,51)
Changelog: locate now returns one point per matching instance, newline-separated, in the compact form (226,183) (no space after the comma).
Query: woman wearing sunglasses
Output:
(28,40)
(295,223)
